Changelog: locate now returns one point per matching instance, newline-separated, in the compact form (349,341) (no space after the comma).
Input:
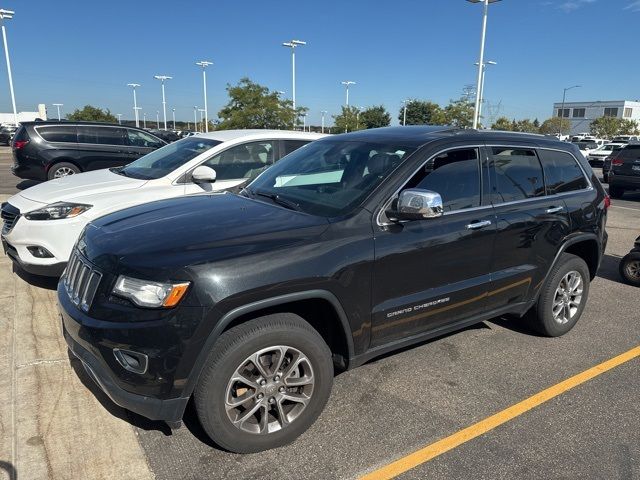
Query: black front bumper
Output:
(169,410)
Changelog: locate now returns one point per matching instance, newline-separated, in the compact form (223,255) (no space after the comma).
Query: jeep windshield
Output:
(165,160)
(329,177)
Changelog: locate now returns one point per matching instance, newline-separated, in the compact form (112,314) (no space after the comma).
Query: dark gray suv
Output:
(46,150)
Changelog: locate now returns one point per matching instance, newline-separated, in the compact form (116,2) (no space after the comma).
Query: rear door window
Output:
(561,172)
(142,139)
(101,135)
(58,133)
(243,161)
(517,174)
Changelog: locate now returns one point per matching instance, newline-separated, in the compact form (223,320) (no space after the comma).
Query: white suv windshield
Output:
(165,160)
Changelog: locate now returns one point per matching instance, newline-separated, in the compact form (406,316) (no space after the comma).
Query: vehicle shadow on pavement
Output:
(49,283)
(115,410)
(609,268)
(24,184)
(10,469)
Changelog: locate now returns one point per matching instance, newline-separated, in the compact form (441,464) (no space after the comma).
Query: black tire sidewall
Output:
(52,170)
(632,256)
(545,321)
(227,355)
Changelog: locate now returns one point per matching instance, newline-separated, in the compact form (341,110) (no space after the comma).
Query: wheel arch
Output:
(315,303)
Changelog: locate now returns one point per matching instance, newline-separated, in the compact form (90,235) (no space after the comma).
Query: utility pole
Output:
(8,15)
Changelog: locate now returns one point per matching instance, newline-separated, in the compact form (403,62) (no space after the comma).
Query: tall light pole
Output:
(58,105)
(158,120)
(304,122)
(162,78)
(144,116)
(483,36)
(564,97)
(119,115)
(346,83)
(323,112)
(135,102)
(173,112)
(293,44)
(404,115)
(201,110)
(8,15)
(357,118)
(204,64)
(195,118)
(484,74)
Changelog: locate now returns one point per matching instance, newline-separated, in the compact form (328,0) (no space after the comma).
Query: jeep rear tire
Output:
(562,298)
(264,383)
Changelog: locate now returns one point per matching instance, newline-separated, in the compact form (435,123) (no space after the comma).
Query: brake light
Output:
(616,162)
(607,202)
(18,144)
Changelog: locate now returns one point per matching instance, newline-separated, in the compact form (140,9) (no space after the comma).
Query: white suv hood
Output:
(80,185)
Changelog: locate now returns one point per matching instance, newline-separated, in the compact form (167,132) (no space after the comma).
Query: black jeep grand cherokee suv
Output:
(350,247)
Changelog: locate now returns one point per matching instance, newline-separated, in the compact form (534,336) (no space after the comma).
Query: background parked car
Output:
(625,171)
(586,146)
(46,150)
(596,157)
(166,135)
(7,133)
(630,265)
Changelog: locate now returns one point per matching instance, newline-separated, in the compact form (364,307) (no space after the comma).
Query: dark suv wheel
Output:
(62,169)
(562,298)
(630,268)
(265,382)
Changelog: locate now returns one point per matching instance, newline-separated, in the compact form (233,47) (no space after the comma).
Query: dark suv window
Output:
(58,133)
(455,175)
(631,152)
(561,172)
(293,145)
(101,135)
(142,139)
(517,174)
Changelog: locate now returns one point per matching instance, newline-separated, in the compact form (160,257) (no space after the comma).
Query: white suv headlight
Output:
(145,293)
(57,211)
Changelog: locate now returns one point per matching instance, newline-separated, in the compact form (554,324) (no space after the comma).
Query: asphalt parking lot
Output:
(55,424)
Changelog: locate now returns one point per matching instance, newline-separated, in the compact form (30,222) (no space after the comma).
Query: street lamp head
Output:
(6,14)
(348,82)
(294,43)
(482,1)
(57,104)
(134,85)
(491,62)
(298,42)
(162,77)
(204,63)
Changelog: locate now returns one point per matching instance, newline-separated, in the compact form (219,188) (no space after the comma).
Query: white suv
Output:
(42,223)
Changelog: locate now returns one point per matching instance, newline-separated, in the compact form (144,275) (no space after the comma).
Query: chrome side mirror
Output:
(203,174)
(417,204)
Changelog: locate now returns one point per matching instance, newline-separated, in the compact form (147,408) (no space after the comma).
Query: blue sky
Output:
(85,52)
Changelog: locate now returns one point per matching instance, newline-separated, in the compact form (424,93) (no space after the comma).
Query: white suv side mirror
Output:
(203,174)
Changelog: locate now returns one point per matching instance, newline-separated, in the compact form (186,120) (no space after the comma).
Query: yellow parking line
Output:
(438,448)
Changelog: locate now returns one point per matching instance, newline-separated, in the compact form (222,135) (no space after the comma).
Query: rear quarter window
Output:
(562,172)
(58,133)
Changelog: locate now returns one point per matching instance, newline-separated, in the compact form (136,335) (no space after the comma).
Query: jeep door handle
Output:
(477,225)
(554,209)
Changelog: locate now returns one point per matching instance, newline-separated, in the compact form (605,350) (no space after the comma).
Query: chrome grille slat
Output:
(9,219)
(81,281)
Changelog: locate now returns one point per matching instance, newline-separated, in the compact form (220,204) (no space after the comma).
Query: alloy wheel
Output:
(269,390)
(568,297)
(63,172)
(632,269)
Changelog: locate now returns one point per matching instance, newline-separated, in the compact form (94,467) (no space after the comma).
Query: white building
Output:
(25,116)
(581,114)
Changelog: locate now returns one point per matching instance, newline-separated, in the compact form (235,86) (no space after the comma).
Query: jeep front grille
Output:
(81,281)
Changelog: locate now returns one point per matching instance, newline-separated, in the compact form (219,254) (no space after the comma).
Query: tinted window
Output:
(631,152)
(242,161)
(165,160)
(455,175)
(561,172)
(101,135)
(293,145)
(143,139)
(58,133)
(330,177)
(517,174)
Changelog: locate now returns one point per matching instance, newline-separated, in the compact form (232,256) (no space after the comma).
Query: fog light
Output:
(132,361)
(40,252)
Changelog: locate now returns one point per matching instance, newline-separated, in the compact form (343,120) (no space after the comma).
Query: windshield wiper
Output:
(276,199)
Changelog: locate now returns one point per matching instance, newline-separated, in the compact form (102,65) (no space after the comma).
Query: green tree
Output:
(253,106)
(92,114)
(421,112)
(347,120)
(374,117)
(502,123)
(459,113)
(526,126)
(629,127)
(555,125)
(606,127)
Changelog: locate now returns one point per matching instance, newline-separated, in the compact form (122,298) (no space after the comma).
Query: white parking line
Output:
(626,208)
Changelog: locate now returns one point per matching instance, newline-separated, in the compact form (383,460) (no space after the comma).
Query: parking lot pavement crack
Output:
(41,362)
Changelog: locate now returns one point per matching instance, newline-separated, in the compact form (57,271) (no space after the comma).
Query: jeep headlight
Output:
(57,211)
(146,293)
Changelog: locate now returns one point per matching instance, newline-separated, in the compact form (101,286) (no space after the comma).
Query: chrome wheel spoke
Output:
(568,297)
(296,397)
(247,414)
(282,416)
(264,419)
